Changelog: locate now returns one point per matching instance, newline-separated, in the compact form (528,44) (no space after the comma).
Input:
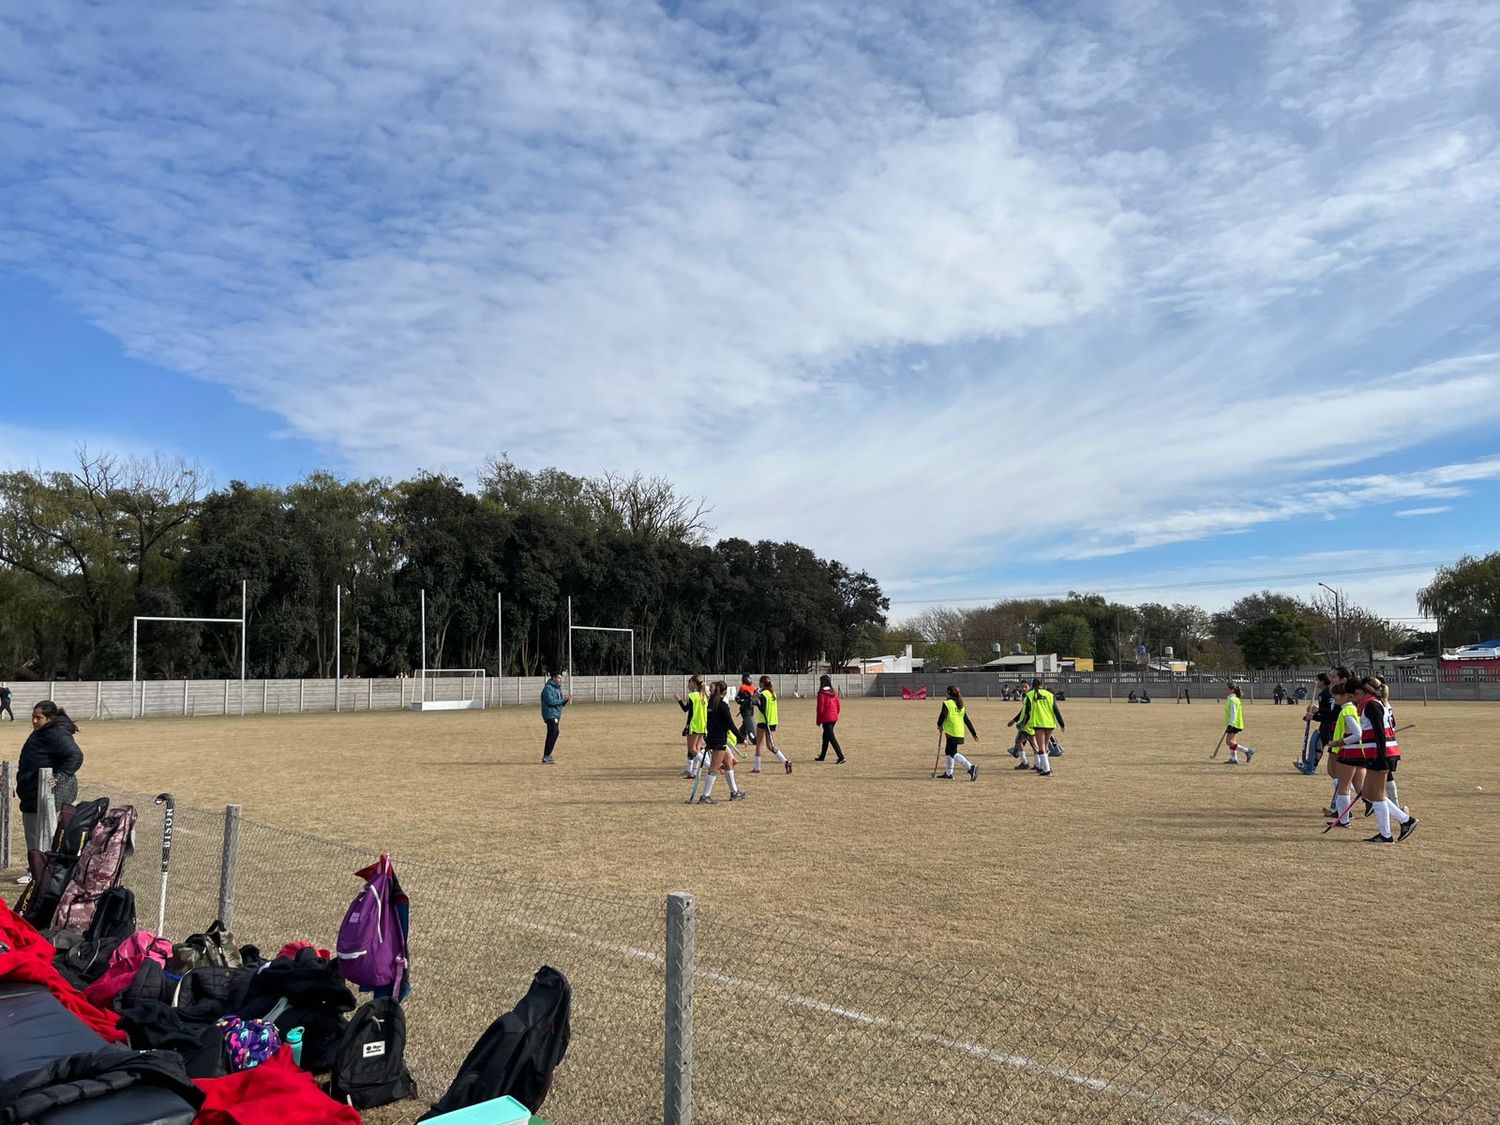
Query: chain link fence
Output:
(681,1014)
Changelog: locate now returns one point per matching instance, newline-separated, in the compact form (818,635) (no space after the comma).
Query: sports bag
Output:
(50,870)
(370,1067)
(126,961)
(213,947)
(518,1052)
(82,958)
(372,952)
(98,869)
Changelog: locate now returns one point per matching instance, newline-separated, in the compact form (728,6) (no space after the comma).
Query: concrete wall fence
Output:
(120,699)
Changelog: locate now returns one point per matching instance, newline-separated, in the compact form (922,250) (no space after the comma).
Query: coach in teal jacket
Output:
(553,701)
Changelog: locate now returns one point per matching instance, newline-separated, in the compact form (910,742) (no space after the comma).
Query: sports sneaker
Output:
(687,774)
(1044,773)
(1329,813)
(23,880)
(1231,761)
(1014,753)
(945,777)
(1023,766)
(738,795)
(706,800)
(1249,753)
(788,765)
(756,770)
(548,760)
(841,761)
(1380,840)
(1407,829)
(1369,808)
(973,771)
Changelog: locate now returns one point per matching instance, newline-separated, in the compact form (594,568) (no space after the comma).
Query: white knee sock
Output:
(1335,796)
(963,763)
(757,759)
(1341,803)
(1393,809)
(1045,762)
(1383,818)
(1024,761)
(729,777)
(780,757)
(708,784)
(1391,794)
(949,770)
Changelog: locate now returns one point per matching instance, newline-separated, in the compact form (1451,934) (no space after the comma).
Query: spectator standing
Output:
(5,703)
(827,718)
(50,746)
(553,702)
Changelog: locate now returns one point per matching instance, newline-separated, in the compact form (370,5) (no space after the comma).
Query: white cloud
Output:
(1430,510)
(886,269)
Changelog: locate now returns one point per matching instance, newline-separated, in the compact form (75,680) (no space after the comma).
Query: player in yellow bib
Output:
(953,722)
(696,706)
(1024,737)
(1040,712)
(1234,724)
(765,726)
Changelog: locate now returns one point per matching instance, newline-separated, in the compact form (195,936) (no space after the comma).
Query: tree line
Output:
(83,552)
(1259,631)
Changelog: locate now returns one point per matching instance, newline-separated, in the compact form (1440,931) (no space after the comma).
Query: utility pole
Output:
(1338,620)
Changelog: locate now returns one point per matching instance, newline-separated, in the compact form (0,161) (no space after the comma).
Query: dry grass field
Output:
(1143,877)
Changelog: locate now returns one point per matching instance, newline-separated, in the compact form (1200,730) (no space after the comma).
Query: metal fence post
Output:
(678,1056)
(46,808)
(229,864)
(5,814)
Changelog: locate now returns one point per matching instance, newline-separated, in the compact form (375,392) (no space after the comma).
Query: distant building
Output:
(1472,662)
(1045,663)
(897,662)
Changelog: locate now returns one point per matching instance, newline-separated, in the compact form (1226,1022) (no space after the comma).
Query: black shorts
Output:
(953,745)
(764,726)
(1388,765)
(1233,730)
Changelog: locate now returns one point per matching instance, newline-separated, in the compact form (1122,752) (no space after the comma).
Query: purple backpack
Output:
(372,947)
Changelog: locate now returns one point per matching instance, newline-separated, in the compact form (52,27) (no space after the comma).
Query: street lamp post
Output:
(1338,619)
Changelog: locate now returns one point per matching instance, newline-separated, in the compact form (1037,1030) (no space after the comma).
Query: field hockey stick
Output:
(938,756)
(1215,754)
(166,860)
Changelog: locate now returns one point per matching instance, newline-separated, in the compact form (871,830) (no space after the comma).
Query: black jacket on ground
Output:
(78,1078)
(49,747)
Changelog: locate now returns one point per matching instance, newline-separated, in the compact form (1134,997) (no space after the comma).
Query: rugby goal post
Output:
(599,629)
(137,689)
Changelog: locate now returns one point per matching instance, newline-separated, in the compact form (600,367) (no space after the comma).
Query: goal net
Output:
(451,689)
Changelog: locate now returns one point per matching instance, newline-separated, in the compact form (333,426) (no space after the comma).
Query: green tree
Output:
(942,654)
(1465,600)
(1067,634)
(1280,640)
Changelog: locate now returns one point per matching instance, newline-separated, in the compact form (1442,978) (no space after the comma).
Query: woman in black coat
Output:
(50,746)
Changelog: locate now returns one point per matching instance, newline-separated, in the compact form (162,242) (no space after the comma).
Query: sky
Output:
(1167,300)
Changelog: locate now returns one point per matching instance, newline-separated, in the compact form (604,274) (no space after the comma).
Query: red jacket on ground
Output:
(277,1092)
(828,706)
(28,957)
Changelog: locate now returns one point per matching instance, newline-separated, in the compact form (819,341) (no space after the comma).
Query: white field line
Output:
(854,1015)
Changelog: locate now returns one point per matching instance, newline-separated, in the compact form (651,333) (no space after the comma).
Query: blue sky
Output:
(1163,299)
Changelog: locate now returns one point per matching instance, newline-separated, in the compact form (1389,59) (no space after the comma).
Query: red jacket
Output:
(828,706)
(277,1092)
(30,959)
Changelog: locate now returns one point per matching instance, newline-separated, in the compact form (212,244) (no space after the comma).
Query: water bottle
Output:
(294,1041)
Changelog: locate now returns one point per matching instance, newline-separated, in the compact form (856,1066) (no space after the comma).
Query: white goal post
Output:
(468,695)
(466,700)
(598,629)
(137,688)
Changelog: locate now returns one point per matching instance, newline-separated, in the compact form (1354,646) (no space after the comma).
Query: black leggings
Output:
(554,727)
(830,739)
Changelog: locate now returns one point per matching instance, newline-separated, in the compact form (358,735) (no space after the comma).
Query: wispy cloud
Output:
(1431,510)
(889,268)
